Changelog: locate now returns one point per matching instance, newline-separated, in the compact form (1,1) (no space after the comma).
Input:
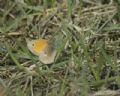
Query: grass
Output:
(86,33)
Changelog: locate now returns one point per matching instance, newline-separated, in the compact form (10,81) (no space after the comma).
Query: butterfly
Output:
(43,48)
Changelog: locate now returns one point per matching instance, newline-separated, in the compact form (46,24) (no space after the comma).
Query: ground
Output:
(86,35)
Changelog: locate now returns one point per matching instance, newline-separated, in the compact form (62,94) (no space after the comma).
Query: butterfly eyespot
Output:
(33,44)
